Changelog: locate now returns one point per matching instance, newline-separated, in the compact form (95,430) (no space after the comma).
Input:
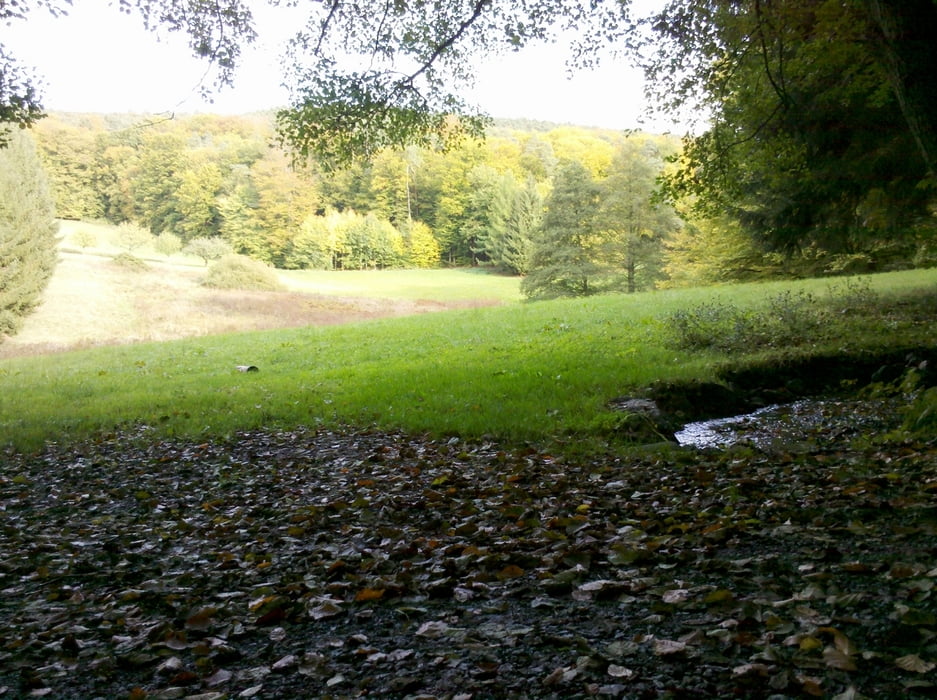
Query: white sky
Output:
(100,60)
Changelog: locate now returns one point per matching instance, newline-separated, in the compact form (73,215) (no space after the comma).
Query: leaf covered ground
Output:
(362,564)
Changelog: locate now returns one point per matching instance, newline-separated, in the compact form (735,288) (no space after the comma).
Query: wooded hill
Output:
(574,209)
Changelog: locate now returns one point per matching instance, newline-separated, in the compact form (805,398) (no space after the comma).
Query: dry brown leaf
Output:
(835,658)
(679,595)
(366,594)
(668,647)
(915,664)
(616,671)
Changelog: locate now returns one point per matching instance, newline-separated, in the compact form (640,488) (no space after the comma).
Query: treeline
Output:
(209,177)
(574,210)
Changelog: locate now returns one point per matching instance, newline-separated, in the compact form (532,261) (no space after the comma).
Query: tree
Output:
(715,251)
(156,180)
(311,247)
(167,244)
(237,210)
(563,261)
(422,246)
(515,249)
(510,214)
(285,196)
(216,30)
(418,59)
(69,159)
(634,225)
(371,243)
(821,114)
(207,249)
(197,202)
(27,229)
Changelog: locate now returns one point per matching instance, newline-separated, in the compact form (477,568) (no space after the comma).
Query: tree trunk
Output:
(909,48)
(631,265)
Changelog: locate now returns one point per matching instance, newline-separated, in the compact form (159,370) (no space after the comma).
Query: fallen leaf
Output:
(668,647)
(366,594)
(835,658)
(915,664)
(616,671)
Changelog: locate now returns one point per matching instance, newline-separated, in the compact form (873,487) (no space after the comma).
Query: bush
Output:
(241,272)
(168,244)
(782,320)
(131,236)
(129,262)
(84,239)
(786,319)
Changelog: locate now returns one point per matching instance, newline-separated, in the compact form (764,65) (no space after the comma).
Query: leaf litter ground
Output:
(365,564)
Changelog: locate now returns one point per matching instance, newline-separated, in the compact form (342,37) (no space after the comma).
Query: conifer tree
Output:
(27,229)
(563,261)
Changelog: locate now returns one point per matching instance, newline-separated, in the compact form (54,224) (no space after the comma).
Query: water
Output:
(809,421)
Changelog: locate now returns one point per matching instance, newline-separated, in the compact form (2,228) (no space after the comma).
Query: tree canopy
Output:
(822,114)
(363,75)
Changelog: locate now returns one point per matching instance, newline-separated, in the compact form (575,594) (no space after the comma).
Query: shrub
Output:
(129,262)
(168,243)
(852,294)
(241,272)
(920,416)
(785,319)
(84,238)
(782,320)
(131,236)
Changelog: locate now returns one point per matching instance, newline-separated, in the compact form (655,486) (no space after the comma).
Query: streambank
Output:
(784,401)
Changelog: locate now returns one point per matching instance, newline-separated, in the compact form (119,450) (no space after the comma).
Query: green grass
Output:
(518,372)
(461,284)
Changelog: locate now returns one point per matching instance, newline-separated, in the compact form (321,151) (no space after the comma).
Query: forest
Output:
(482,203)
(573,210)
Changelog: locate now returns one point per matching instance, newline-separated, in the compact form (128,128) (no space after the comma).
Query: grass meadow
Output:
(516,371)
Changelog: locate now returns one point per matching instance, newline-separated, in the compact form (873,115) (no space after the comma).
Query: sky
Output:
(99,60)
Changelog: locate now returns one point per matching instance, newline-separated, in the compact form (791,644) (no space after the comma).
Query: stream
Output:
(799,424)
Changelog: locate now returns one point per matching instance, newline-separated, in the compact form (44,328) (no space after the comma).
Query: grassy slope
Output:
(436,285)
(520,371)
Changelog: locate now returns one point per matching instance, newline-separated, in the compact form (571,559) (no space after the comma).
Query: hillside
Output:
(92,300)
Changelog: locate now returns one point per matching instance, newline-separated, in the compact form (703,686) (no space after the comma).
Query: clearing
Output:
(92,300)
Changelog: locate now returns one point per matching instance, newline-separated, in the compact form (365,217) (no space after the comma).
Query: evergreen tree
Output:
(526,217)
(27,229)
(514,211)
(634,225)
(496,204)
(563,261)
(476,214)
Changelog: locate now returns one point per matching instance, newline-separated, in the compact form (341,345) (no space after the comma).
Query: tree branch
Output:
(325,24)
(480,6)
(775,84)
